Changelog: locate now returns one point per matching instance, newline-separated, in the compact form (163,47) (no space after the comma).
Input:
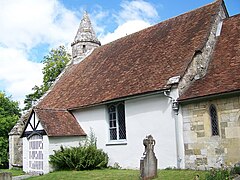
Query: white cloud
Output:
(24,25)
(100,16)
(127,28)
(137,9)
(134,16)
(18,73)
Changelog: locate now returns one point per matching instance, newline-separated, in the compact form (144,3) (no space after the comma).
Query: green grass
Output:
(15,172)
(113,174)
(181,174)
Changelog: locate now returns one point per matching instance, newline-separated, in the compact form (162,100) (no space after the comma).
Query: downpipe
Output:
(175,108)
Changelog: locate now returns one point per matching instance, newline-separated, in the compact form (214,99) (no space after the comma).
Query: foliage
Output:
(116,165)
(3,152)
(236,169)
(220,174)
(54,63)
(224,172)
(84,157)
(9,114)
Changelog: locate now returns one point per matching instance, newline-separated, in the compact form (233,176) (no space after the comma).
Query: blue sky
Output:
(29,29)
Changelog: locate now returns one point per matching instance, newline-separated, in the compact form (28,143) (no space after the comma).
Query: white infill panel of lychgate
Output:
(36,154)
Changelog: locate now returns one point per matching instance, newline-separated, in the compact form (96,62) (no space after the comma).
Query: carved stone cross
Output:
(148,163)
(149,143)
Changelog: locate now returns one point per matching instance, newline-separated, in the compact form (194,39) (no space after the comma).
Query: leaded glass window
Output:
(214,120)
(117,128)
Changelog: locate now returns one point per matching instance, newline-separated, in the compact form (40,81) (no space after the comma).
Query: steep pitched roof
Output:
(139,63)
(85,31)
(223,75)
(59,123)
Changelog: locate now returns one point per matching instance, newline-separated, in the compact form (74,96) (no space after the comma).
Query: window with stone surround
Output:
(214,120)
(117,128)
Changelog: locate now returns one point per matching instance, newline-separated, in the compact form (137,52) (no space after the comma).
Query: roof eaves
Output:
(66,135)
(209,96)
(122,98)
(25,125)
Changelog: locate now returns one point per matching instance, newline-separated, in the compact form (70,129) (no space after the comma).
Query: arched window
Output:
(214,120)
(117,121)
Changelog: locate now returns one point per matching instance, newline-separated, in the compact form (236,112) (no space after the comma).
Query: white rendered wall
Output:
(56,142)
(149,115)
(49,144)
(25,154)
(39,127)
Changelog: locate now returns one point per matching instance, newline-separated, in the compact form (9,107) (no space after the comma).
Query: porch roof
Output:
(59,123)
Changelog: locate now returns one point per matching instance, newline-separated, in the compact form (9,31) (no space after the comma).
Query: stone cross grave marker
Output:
(148,163)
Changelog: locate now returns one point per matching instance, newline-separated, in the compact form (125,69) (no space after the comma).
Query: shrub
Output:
(236,169)
(219,174)
(84,157)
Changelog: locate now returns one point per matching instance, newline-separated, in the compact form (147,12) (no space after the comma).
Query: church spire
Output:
(85,38)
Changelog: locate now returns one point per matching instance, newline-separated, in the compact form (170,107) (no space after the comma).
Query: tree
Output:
(9,114)
(54,64)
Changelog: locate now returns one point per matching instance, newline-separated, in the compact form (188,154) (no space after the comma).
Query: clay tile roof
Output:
(138,63)
(59,123)
(223,75)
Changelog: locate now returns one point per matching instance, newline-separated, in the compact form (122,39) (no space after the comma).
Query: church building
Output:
(178,81)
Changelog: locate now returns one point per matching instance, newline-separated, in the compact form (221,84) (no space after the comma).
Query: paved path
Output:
(21,177)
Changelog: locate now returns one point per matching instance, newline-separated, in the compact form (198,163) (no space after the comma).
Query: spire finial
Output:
(85,31)
(85,39)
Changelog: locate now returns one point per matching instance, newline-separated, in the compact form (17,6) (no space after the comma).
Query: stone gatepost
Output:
(148,163)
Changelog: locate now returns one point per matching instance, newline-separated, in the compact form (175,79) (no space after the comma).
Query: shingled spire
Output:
(85,39)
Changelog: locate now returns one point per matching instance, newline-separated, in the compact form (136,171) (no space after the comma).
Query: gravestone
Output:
(148,163)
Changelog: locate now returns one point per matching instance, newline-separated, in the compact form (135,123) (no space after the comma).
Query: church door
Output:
(36,154)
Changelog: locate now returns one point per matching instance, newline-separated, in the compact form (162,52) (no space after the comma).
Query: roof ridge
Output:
(216,1)
(165,21)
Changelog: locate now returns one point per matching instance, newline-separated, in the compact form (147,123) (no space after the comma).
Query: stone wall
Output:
(202,150)
(15,151)
(15,142)
(15,145)
(80,48)
(198,67)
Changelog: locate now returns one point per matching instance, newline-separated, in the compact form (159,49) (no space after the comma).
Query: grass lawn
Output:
(113,174)
(15,172)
